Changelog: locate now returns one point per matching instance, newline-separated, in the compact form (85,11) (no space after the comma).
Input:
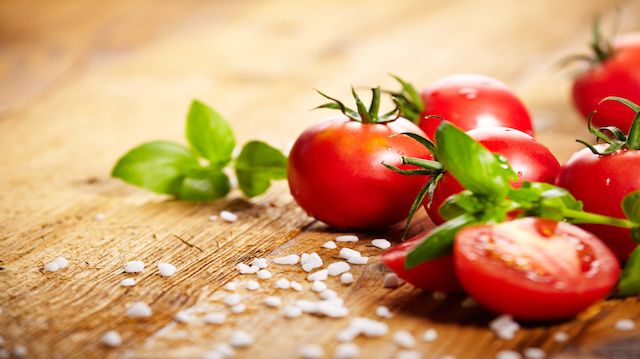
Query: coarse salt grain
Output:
(228,216)
(504,327)
(253,285)
(238,308)
(534,353)
(215,318)
(346,278)
(560,337)
(311,351)
(272,301)
(328,294)
(183,317)
(296,286)
(347,253)
(311,262)
(347,238)
(358,260)
(291,311)
(391,280)
(100,217)
(246,269)
(337,268)
(128,282)
(213,218)
(231,287)
(134,267)
(404,339)
(51,267)
(383,312)
(319,275)
(625,325)
(166,269)
(508,354)
(260,263)
(318,286)
(139,310)
(220,351)
(330,245)
(61,261)
(240,339)
(20,351)
(111,339)
(283,283)
(364,326)
(346,351)
(381,243)
(439,295)
(288,259)
(429,335)
(264,274)
(232,299)
(409,354)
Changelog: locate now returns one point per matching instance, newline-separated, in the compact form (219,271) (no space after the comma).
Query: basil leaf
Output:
(209,134)
(631,206)
(159,166)
(629,283)
(258,164)
(439,241)
(475,167)
(463,202)
(204,184)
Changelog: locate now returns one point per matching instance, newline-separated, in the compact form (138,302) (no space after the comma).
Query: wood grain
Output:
(81,82)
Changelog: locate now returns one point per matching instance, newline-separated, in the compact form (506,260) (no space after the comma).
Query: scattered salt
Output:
(296,286)
(504,326)
(213,218)
(138,310)
(289,259)
(283,283)
(240,339)
(220,351)
(346,278)
(311,262)
(347,238)
(381,243)
(245,269)
(319,275)
(318,286)
(404,339)
(128,282)
(166,269)
(291,311)
(264,274)
(346,351)
(183,317)
(51,267)
(358,260)
(253,285)
(508,354)
(391,280)
(330,245)
(111,339)
(328,294)
(409,354)
(337,268)
(20,351)
(100,217)
(231,287)
(228,216)
(347,253)
(61,261)
(134,267)
(429,335)
(232,299)
(383,312)
(215,318)
(534,353)
(260,263)
(625,325)
(238,308)
(310,351)
(561,337)
(272,302)
(363,326)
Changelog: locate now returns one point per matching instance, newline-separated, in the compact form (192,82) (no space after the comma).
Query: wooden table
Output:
(83,81)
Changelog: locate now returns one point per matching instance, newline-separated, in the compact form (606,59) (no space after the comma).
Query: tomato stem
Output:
(577,216)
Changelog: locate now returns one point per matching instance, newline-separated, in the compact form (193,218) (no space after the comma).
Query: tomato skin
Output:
(567,281)
(472,101)
(601,182)
(335,172)
(434,275)
(531,160)
(619,75)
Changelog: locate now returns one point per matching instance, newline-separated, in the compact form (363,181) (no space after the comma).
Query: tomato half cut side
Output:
(534,269)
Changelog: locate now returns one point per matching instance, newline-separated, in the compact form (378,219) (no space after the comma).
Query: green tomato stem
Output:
(577,216)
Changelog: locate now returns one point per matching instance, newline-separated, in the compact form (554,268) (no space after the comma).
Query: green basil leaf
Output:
(635,234)
(475,167)
(204,184)
(631,206)
(629,283)
(439,241)
(258,164)
(209,134)
(158,166)
(463,202)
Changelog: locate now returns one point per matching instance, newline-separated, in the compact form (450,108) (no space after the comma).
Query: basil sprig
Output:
(197,172)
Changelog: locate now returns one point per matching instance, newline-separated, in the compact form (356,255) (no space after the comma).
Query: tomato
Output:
(531,160)
(335,172)
(534,269)
(472,101)
(600,182)
(616,73)
(434,275)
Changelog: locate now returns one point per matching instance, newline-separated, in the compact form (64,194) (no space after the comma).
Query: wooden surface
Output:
(83,81)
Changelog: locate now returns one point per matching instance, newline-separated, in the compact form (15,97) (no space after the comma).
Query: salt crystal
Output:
(134,267)
(319,275)
(561,337)
(283,283)
(391,280)
(260,263)
(409,354)
(346,351)
(358,260)
(346,278)
(228,216)
(20,351)
(508,354)
(215,318)
(264,274)
(307,306)
(232,299)
(347,238)
(238,308)
(383,312)
(111,339)
(381,243)
(240,339)
(128,282)
(213,218)
(337,268)
(231,287)
(331,309)
(296,286)
(368,327)
(51,267)
(100,217)
(289,259)
(311,262)
(245,269)
(253,285)
(429,335)
(310,351)
(291,311)
(61,261)
(183,317)
(220,351)
(625,325)
(404,339)
(504,326)
(439,295)
(328,294)
(330,245)
(272,302)
(166,269)
(318,286)
(138,310)
(347,253)
(534,353)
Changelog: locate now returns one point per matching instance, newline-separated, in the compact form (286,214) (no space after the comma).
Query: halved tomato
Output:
(534,269)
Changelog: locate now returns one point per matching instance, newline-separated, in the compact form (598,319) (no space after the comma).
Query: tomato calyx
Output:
(364,115)
(408,100)
(601,47)
(617,138)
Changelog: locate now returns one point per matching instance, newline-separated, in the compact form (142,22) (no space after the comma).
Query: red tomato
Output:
(601,182)
(472,101)
(534,269)
(617,75)
(435,275)
(335,172)
(531,160)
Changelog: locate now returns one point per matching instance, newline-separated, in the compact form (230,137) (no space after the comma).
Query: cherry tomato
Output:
(434,275)
(615,73)
(534,269)
(531,160)
(472,101)
(335,172)
(600,182)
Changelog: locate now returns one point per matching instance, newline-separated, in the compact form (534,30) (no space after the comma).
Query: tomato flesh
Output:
(534,269)
(434,275)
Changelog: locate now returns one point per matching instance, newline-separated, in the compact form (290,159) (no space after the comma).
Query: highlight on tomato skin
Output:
(433,275)
(534,269)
